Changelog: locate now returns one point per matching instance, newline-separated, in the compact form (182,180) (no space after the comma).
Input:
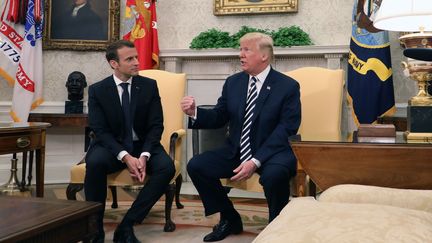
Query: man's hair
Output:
(264,42)
(111,51)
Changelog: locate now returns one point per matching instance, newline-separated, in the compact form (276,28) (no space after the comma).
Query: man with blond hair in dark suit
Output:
(262,109)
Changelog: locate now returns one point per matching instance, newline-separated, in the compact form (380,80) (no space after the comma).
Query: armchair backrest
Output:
(171,90)
(321,93)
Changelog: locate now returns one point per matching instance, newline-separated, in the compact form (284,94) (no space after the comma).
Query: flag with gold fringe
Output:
(140,20)
(27,93)
(11,38)
(370,82)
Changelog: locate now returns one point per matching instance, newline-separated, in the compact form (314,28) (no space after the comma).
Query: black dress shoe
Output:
(223,229)
(125,235)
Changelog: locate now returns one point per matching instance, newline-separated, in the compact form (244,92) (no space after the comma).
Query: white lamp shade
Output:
(404,15)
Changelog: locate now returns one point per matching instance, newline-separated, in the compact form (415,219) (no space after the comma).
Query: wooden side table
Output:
(397,165)
(24,137)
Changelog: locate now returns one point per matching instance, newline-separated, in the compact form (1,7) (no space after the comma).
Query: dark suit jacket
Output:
(106,116)
(277,116)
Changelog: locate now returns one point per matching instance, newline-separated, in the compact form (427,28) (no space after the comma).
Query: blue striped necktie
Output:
(245,147)
(127,126)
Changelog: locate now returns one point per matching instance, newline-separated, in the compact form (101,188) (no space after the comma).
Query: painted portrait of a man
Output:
(79,19)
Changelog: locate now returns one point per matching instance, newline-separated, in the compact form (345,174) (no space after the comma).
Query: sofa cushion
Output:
(307,220)
(404,198)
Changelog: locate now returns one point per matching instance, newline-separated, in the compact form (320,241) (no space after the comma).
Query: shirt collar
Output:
(118,81)
(262,75)
(80,6)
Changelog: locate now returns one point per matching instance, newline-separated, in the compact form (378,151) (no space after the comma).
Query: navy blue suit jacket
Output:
(277,116)
(106,115)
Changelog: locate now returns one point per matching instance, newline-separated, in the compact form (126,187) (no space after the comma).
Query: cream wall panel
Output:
(327,21)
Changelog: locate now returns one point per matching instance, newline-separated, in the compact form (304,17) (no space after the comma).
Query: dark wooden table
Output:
(392,164)
(41,220)
(60,120)
(24,137)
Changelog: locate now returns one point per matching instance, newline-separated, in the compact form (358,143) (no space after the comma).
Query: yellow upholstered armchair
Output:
(171,90)
(321,93)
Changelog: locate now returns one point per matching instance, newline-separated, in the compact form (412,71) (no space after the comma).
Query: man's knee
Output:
(97,160)
(192,166)
(195,166)
(95,165)
(275,178)
(163,167)
(170,169)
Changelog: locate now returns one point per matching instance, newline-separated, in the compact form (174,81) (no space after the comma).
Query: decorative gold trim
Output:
(68,44)
(231,7)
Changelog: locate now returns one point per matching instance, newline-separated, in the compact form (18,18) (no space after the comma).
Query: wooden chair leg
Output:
(301,182)
(312,189)
(169,197)
(72,190)
(178,184)
(114,196)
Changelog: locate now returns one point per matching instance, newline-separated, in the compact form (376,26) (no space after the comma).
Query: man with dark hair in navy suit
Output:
(262,108)
(125,113)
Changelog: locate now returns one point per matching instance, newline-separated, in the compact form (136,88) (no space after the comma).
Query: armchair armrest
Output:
(174,139)
(362,194)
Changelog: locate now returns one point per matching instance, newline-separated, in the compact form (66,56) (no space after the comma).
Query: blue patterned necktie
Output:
(245,148)
(127,126)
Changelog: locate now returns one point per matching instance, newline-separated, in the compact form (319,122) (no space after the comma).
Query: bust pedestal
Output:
(74,107)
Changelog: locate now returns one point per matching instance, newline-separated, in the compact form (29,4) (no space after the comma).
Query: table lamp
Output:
(413,16)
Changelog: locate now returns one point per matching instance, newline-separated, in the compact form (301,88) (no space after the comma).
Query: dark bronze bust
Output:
(75,85)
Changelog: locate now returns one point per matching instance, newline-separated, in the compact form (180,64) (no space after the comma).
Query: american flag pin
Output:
(268,87)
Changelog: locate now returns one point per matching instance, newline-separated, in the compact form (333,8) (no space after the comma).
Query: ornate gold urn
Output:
(419,68)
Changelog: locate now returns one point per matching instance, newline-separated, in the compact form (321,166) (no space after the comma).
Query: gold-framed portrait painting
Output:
(81,24)
(229,7)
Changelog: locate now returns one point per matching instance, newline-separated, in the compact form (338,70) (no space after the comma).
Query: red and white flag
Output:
(11,38)
(28,80)
(141,19)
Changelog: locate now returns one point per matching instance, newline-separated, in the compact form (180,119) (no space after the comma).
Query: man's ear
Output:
(113,64)
(264,56)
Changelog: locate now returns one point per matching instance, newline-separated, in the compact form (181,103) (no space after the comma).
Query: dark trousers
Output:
(100,162)
(208,168)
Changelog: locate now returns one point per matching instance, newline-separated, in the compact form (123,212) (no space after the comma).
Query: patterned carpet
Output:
(191,225)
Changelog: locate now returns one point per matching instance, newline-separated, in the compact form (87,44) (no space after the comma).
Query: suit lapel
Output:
(112,91)
(264,93)
(243,90)
(135,90)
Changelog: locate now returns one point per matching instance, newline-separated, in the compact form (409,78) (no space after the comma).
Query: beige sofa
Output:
(354,213)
